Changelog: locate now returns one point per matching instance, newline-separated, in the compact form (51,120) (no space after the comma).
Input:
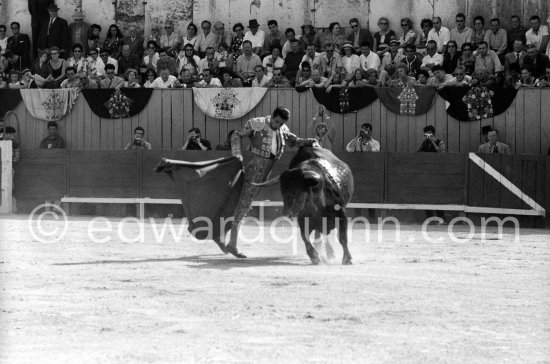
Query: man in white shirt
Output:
(206,38)
(255,36)
(368,59)
(165,80)
(273,61)
(440,35)
(432,58)
(461,34)
(209,61)
(363,142)
(261,79)
(312,57)
(496,38)
(208,80)
(538,35)
(290,35)
(104,60)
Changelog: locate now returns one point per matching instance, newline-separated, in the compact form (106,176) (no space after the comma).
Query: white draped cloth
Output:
(48,104)
(228,103)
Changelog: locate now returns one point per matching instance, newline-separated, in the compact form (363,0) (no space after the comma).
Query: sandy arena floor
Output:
(404,300)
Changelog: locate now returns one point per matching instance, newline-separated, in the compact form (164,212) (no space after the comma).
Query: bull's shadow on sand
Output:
(222,262)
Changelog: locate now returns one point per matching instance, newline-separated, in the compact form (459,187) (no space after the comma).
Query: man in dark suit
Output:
(39,14)
(516,56)
(55,32)
(537,61)
(20,44)
(358,35)
(134,41)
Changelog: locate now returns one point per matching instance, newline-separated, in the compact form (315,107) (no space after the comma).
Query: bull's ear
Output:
(312,178)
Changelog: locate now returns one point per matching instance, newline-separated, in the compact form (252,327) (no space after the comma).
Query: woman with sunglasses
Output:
(426,25)
(408,36)
(78,60)
(451,57)
(382,37)
(467,58)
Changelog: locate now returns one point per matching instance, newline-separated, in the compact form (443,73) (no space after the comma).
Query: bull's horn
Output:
(268,183)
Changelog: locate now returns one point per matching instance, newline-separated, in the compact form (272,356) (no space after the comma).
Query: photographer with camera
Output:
(431,144)
(195,142)
(363,142)
(138,142)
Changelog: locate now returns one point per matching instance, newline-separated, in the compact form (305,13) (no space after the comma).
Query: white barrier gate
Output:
(6,179)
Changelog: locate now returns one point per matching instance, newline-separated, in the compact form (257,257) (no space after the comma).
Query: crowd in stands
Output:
(82,55)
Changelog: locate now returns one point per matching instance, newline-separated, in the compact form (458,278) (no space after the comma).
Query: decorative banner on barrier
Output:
(407,101)
(119,103)
(345,100)
(48,104)
(9,99)
(476,103)
(228,103)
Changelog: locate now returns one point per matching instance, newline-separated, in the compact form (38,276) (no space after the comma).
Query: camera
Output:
(363,133)
(137,142)
(428,135)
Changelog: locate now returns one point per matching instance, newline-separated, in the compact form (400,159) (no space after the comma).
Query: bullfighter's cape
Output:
(209,191)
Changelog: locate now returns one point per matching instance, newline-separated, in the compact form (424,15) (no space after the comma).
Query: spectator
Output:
(206,38)
(460,78)
(334,36)
(273,61)
(53,140)
(78,60)
(170,41)
(403,79)
(516,32)
(226,145)
(261,80)
(337,80)
(185,79)
(58,66)
(372,78)
(195,142)
(166,62)
(350,60)
(94,61)
(128,59)
(479,31)
(39,15)
(439,78)
(432,58)
(114,41)
(20,44)
(79,30)
(485,134)
(86,82)
(526,79)
(237,42)
(290,37)
(358,80)
(538,35)
(303,75)
(111,80)
(71,80)
(191,37)
(13,61)
(513,76)
(368,59)
(229,79)
(15,81)
(461,34)
(482,77)
(150,77)
(312,57)
(440,34)
(209,61)
(310,37)
(151,55)
(451,57)
(393,57)
(487,59)
(408,37)
(154,36)
(316,80)
(246,63)
(55,32)
(104,60)
(208,80)
(9,134)
(94,41)
(358,35)
(536,60)
(383,36)
(422,77)
(222,55)
(275,38)
(138,142)
(412,60)
(131,79)
(222,35)
(255,36)
(516,56)
(545,80)
(493,146)
(323,131)
(3,83)
(421,43)
(3,39)
(431,143)
(278,80)
(135,43)
(363,142)
(467,58)
(496,39)
(331,61)
(165,80)
(187,60)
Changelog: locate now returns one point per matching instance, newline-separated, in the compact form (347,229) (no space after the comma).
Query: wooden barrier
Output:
(388,179)
(171,113)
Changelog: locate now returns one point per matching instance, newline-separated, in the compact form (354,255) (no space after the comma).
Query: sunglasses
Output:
(460,21)
(167,27)
(404,25)
(355,26)
(2,30)
(110,73)
(77,50)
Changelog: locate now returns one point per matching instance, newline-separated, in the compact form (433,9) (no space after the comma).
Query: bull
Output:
(316,188)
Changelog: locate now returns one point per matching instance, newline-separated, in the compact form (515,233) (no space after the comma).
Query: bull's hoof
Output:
(221,246)
(233,250)
(347,261)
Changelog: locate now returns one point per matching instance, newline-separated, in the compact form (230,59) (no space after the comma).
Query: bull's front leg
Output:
(305,231)
(343,237)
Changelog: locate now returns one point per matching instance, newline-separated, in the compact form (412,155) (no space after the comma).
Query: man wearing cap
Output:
(310,37)
(20,44)
(39,14)
(79,30)
(274,37)
(55,32)
(358,35)
(255,36)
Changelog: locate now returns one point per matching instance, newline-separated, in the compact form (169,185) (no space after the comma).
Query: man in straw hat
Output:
(79,30)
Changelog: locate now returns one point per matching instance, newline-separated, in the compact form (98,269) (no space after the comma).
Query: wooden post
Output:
(6,175)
